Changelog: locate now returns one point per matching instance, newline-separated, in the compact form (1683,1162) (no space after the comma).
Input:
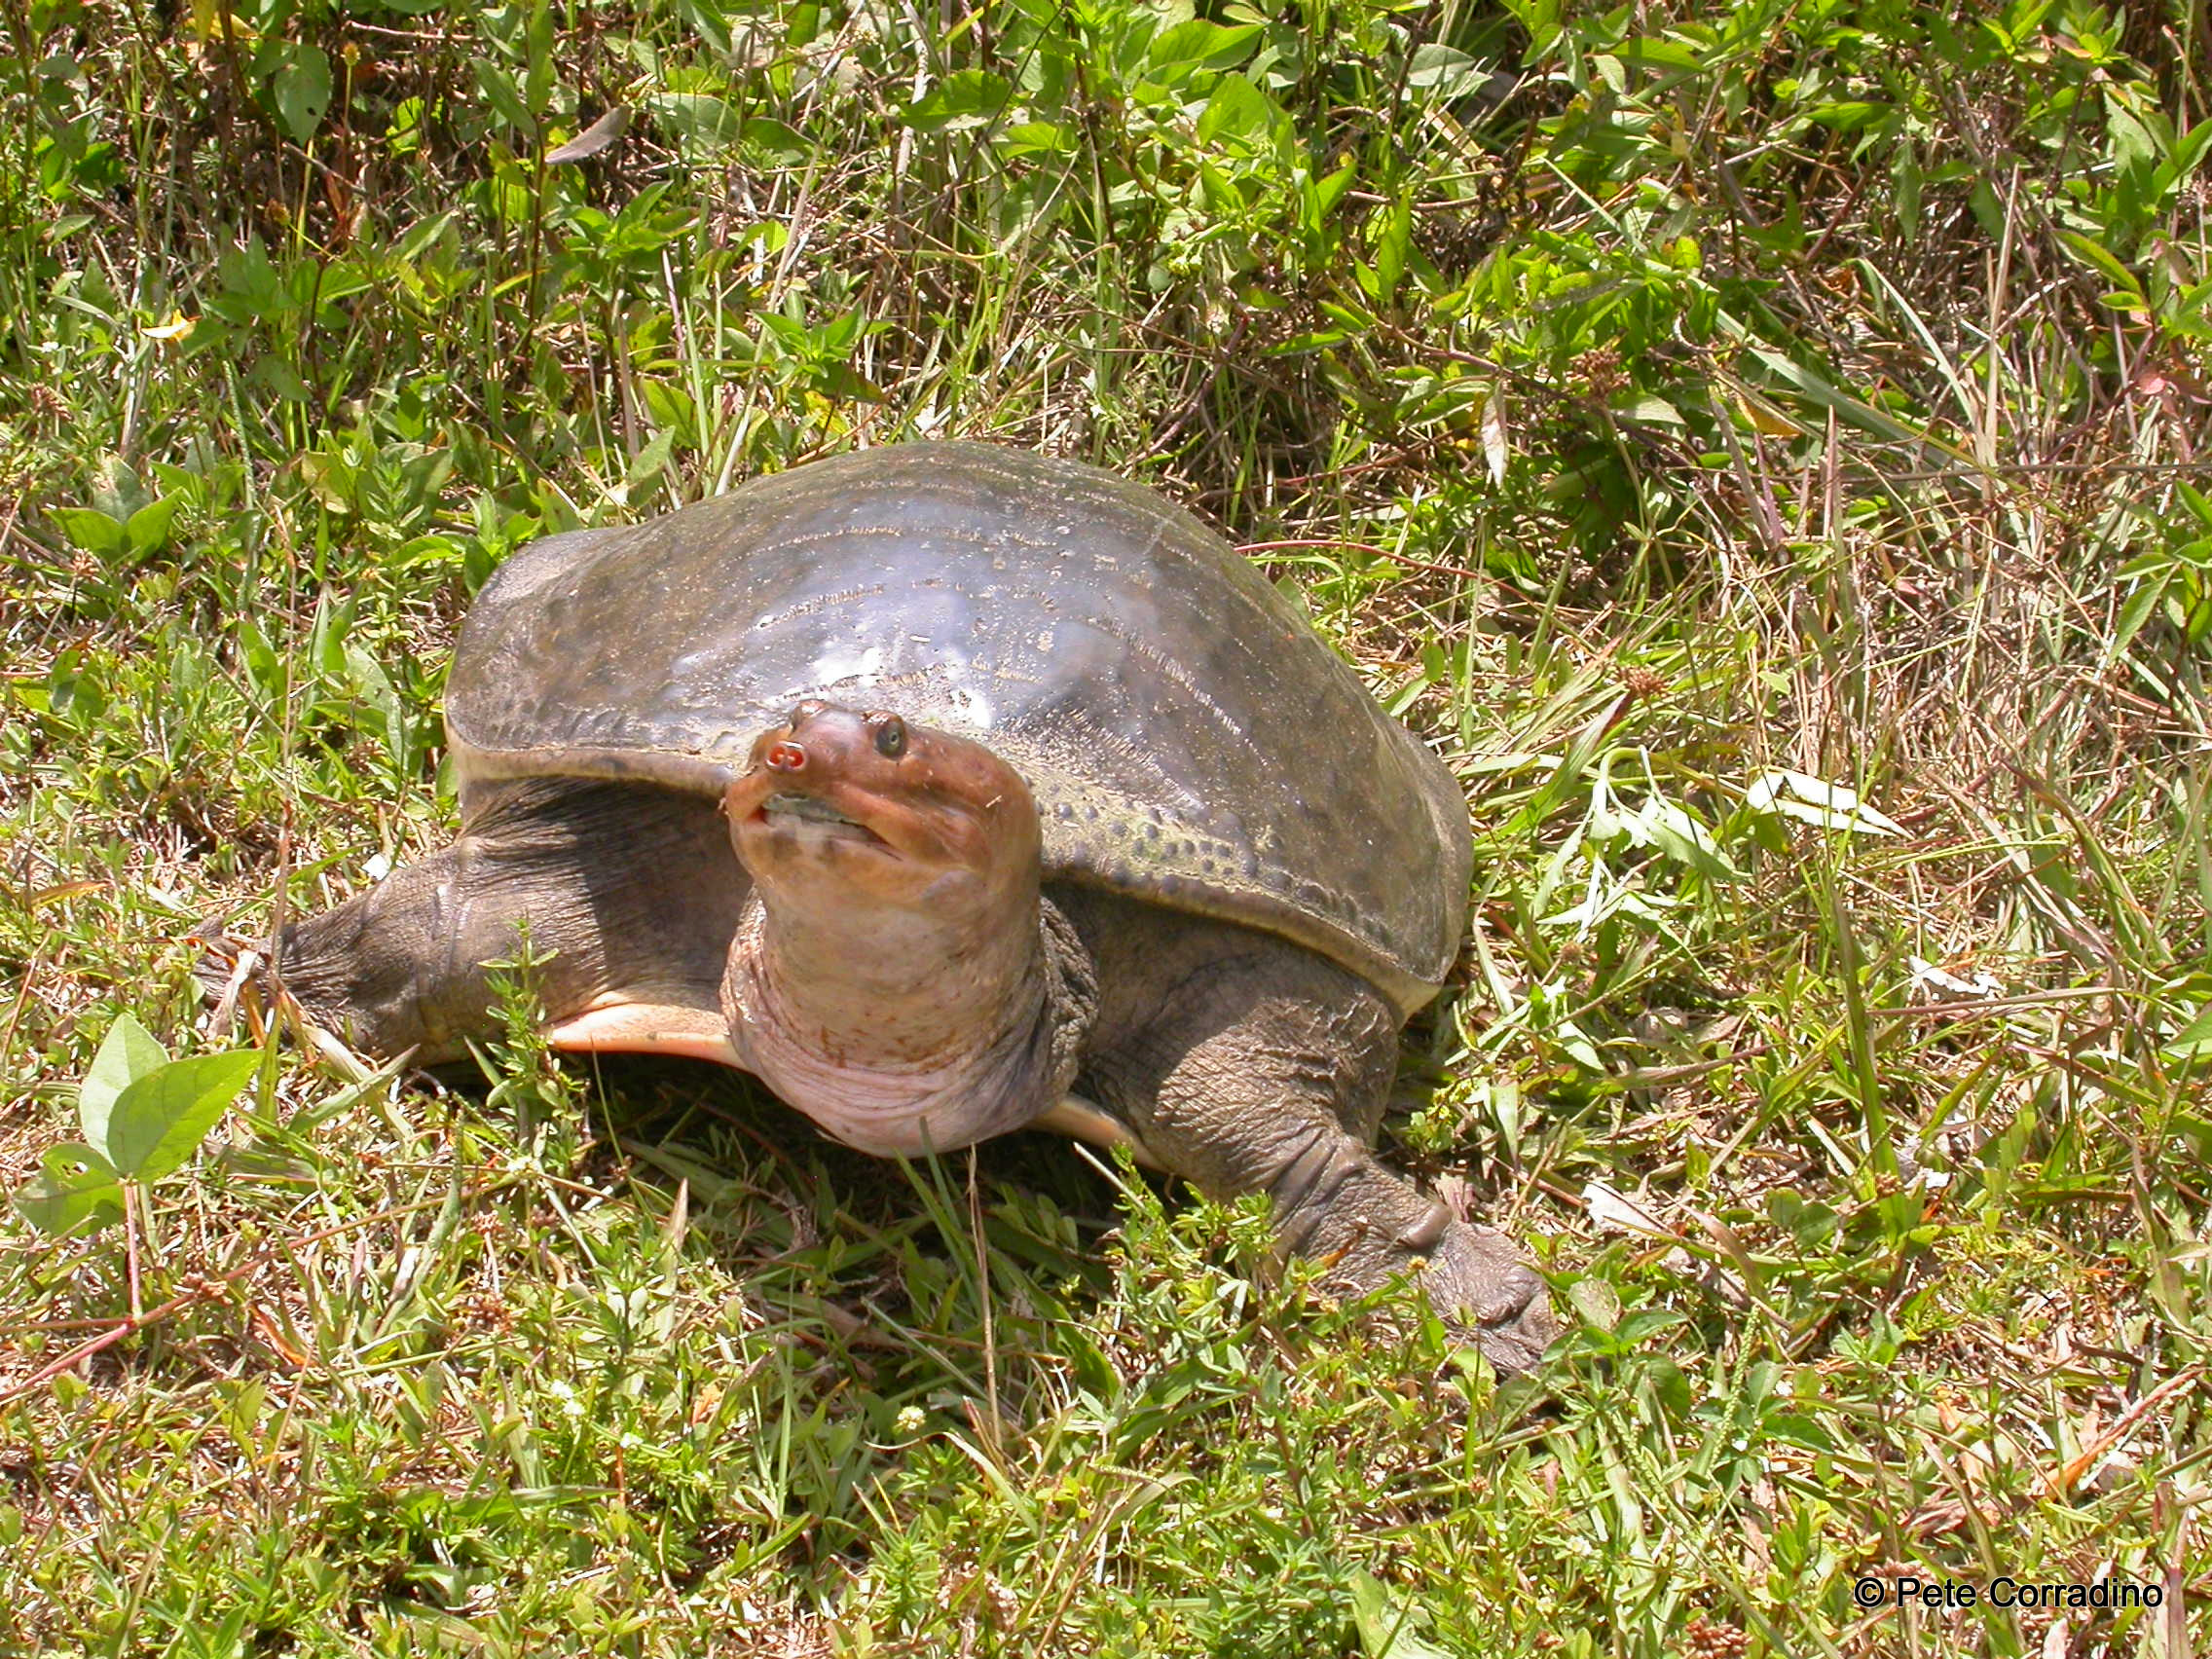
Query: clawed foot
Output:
(1479,1283)
(1475,1279)
(234,979)
(231,977)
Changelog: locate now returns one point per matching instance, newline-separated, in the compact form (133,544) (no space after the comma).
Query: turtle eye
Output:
(891,737)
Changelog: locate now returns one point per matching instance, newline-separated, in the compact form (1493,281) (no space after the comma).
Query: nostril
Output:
(784,756)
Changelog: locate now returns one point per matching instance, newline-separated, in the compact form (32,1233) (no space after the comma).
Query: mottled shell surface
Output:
(1188,736)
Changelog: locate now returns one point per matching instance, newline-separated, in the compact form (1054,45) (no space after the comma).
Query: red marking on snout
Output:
(784,756)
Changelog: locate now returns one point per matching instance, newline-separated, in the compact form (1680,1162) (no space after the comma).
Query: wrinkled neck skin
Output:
(900,1032)
(881,984)
(896,974)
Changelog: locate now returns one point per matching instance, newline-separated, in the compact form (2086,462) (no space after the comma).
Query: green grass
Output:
(1743,390)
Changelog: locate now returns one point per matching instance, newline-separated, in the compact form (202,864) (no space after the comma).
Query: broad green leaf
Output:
(1385,1631)
(1597,1301)
(1036,138)
(301,90)
(89,528)
(72,688)
(1539,19)
(280,380)
(652,457)
(1391,246)
(505,98)
(2133,143)
(1305,345)
(773,139)
(339,279)
(1452,72)
(403,135)
(706,19)
(2189,152)
(1317,199)
(965,98)
(2101,259)
(537,55)
(1649,409)
(1845,117)
(419,236)
(1686,841)
(1645,1322)
(160,1120)
(2193,1042)
(73,1182)
(127,1053)
(1198,44)
(263,666)
(373,689)
(1350,316)
(330,480)
(695,119)
(1237,109)
(1654,52)
(148,529)
(1907,177)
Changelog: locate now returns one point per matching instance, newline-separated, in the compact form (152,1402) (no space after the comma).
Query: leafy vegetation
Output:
(1761,443)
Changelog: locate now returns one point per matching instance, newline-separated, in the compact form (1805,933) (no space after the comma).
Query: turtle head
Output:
(840,807)
(888,976)
(895,873)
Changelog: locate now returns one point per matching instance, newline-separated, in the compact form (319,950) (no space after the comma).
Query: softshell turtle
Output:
(950,790)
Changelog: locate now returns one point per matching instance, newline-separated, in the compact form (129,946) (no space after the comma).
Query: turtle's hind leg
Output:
(1265,1070)
(631,894)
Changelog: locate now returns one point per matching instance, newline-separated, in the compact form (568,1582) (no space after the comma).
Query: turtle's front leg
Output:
(401,966)
(624,890)
(1267,1073)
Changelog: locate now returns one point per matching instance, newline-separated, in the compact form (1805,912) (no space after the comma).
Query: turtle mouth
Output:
(810,815)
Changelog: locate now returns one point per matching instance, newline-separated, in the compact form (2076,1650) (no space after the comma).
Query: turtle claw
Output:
(1478,1282)
(234,979)
(229,972)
